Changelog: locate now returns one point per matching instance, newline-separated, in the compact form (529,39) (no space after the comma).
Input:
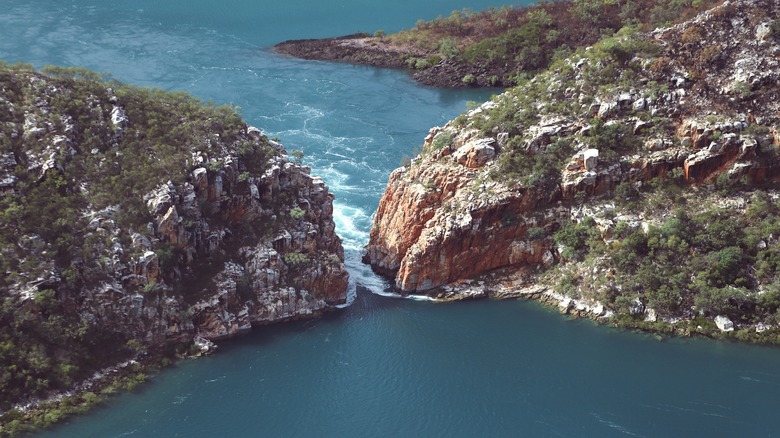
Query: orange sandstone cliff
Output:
(698,101)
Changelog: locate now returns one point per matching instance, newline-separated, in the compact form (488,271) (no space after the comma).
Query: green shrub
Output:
(535,233)
(297,156)
(297,213)
(296,258)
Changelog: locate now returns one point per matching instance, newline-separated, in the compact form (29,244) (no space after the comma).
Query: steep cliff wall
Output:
(133,219)
(697,101)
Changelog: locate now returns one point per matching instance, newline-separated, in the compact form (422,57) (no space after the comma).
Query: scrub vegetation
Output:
(51,183)
(501,46)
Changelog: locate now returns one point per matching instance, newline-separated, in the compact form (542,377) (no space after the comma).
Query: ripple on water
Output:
(383,366)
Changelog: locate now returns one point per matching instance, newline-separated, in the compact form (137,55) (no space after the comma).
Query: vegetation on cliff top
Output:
(669,227)
(500,46)
(719,259)
(73,143)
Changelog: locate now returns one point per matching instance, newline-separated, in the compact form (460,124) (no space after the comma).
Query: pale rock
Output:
(724,323)
(763,30)
(475,153)
(590,158)
(200,178)
(254,132)
(118,118)
(651,315)
(548,259)
(640,125)
(606,109)
(566,305)
(203,345)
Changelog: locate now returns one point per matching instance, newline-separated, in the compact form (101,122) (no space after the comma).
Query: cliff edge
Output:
(557,177)
(136,220)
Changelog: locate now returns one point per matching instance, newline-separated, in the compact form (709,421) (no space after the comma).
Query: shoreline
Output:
(523,287)
(364,49)
(33,415)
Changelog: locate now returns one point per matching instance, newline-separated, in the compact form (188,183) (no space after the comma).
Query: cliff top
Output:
(497,47)
(135,221)
(625,178)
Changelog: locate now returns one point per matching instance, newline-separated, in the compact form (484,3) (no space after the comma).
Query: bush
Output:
(295,258)
(578,239)
(297,213)
(297,156)
(535,233)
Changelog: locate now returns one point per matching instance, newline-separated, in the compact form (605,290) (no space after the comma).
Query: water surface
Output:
(382,367)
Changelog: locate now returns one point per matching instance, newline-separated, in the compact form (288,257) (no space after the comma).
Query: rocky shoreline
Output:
(221,233)
(364,49)
(525,285)
(595,150)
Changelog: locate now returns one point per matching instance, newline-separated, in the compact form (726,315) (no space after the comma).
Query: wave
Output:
(361,275)
(352,225)
(613,425)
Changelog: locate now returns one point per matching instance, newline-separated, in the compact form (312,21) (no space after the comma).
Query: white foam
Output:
(422,298)
(385,293)
(352,224)
(614,425)
(361,275)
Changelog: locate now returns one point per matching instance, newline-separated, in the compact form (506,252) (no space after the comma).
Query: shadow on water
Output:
(366,304)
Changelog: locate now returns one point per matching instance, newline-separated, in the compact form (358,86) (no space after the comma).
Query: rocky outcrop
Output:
(239,278)
(364,49)
(239,236)
(252,282)
(461,210)
(359,48)
(433,228)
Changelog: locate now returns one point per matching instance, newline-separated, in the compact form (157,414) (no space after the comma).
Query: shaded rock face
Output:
(451,215)
(293,270)
(231,244)
(219,277)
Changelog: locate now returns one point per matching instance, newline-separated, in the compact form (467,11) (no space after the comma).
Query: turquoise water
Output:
(383,366)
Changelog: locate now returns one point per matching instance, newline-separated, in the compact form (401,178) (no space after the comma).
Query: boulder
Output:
(475,153)
(724,323)
(591,159)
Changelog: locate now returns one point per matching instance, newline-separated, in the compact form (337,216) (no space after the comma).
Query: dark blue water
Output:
(382,367)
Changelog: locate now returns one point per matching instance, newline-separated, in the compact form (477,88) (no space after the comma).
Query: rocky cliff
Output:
(135,218)
(495,192)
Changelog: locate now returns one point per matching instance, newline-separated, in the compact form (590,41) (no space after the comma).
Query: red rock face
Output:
(429,230)
(485,240)
(410,200)
(447,218)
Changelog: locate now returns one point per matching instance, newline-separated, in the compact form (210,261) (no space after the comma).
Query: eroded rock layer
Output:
(232,233)
(699,99)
